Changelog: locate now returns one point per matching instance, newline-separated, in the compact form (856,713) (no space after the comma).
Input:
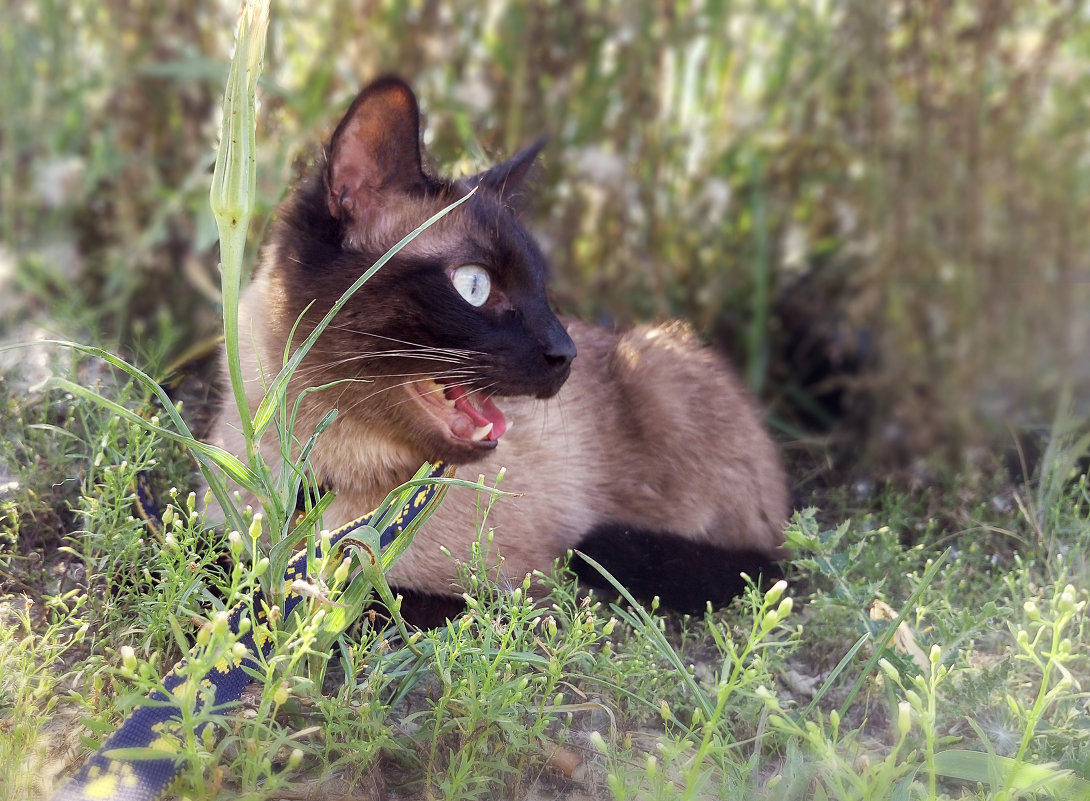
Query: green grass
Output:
(787,699)
(790,696)
(966,681)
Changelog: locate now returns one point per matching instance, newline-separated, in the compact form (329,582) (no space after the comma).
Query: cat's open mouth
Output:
(468,417)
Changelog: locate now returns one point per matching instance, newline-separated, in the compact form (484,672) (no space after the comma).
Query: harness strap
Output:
(114,774)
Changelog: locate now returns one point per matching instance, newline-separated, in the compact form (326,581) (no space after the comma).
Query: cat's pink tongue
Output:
(484,413)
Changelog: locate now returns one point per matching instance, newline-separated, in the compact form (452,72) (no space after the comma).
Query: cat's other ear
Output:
(374,151)
(505,179)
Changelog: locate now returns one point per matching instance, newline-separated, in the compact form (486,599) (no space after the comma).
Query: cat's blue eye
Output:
(472,282)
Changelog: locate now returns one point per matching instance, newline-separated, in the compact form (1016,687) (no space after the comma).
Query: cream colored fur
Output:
(651,430)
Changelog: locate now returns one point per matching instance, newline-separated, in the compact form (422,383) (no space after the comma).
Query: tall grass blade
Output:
(234,182)
(646,626)
(206,456)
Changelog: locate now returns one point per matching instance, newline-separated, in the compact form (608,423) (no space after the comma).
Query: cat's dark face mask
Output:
(453,323)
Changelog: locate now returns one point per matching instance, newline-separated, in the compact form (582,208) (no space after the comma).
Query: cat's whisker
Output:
(475,390)
(455,372)
(357,402)
(557,402)
(324,368)
(394,354)
(415,345)
(364,399)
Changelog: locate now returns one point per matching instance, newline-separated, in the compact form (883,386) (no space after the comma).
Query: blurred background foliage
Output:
(877,208)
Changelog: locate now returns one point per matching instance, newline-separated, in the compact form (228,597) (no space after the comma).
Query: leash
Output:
(140,760)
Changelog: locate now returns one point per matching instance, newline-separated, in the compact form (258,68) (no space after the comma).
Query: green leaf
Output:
(210,453)
(1000,771)
(206,455)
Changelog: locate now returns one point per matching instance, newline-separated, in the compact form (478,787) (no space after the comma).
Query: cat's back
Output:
(693,453)
(654,430)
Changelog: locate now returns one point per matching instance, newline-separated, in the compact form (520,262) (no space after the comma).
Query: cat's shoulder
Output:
(663,353)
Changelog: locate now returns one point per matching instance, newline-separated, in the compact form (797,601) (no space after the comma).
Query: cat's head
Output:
(453,323)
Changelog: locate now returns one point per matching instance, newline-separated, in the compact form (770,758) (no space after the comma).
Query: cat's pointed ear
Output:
(375,150)
(505,179)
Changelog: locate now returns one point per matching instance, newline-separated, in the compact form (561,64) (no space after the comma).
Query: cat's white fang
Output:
(482,432)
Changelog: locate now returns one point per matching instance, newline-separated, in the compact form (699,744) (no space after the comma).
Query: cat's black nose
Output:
(555,351)
(560,351)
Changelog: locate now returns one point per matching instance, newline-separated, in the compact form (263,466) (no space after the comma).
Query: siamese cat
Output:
(641,448)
